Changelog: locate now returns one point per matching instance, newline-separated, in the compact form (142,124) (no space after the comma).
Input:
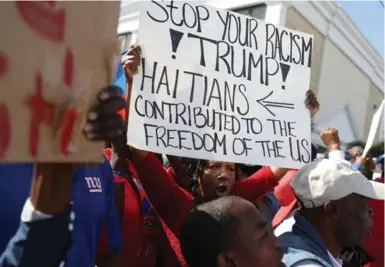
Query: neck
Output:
(326,234)
(330,242)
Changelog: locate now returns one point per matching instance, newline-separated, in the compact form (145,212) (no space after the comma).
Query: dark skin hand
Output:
(103,122)
(131,62)
(312,103)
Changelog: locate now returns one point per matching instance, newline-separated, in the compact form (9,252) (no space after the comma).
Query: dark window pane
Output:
(245,11)
(258,11)
(123,40)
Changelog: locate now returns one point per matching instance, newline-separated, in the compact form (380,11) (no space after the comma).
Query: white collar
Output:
(335,262)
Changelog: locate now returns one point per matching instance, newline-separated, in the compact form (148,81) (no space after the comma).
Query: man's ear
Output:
(332,208)
(226,259)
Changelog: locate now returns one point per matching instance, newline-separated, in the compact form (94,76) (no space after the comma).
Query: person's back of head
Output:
(228,231)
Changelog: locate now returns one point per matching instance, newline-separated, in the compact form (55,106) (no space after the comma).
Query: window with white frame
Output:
(125,40)
(257,11)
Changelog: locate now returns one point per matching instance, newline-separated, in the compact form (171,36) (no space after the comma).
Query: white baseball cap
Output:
(328,179)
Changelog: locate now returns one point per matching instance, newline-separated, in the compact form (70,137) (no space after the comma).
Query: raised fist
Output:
(331,139)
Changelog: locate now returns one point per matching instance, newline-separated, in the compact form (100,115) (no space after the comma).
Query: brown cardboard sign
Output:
(54,59)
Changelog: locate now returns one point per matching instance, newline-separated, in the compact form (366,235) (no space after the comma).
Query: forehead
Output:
(353,200)
(222,163)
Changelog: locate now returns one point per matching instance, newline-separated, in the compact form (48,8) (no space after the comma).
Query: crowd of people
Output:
(139,208)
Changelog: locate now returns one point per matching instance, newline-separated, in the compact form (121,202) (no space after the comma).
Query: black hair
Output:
(209,230)
(354,257)
(196,173)
(159,157)
(354,144)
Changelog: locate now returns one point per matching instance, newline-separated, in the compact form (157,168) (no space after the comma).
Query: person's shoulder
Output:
(102,171)
(16,175)
(299,253)
(106,163)
(105,171)
(7,168)
(289,239)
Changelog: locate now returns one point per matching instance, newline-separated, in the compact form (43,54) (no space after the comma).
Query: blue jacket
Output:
(42,243)
(92,193)
(303,243)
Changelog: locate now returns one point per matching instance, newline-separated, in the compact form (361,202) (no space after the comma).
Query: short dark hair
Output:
(352,144)
(209,230)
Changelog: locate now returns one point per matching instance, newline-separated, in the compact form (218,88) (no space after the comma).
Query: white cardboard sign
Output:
(217,85)
(373,128)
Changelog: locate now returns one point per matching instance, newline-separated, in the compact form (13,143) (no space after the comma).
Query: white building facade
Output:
(347,72)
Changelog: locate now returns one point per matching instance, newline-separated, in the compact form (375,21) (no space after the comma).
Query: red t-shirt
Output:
(374,244)
(173,203)
(144,235)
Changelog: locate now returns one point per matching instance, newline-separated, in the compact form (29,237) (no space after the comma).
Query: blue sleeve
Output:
(15,184)
(356,166)
(120,77)
(113,225)
(42,243)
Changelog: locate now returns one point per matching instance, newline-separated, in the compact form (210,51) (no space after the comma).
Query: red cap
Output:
(283,213)
(283,192)
(285,196)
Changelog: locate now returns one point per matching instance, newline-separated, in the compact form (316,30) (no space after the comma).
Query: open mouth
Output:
(221,189)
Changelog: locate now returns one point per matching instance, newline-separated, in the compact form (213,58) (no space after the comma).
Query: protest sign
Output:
(373,128)
(218,85)
(54,59)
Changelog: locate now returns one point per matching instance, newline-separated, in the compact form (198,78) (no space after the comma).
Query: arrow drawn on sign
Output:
(266,104)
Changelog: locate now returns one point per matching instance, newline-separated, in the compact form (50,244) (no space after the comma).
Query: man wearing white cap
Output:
(333,214)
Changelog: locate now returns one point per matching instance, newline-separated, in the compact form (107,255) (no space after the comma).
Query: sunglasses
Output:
(351,158)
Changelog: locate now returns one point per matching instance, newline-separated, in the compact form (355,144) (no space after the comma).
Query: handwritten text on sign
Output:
(52,64)
(214,84)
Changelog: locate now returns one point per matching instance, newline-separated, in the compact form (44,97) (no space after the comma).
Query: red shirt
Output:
(144,236)
(173,203)
(374,244)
